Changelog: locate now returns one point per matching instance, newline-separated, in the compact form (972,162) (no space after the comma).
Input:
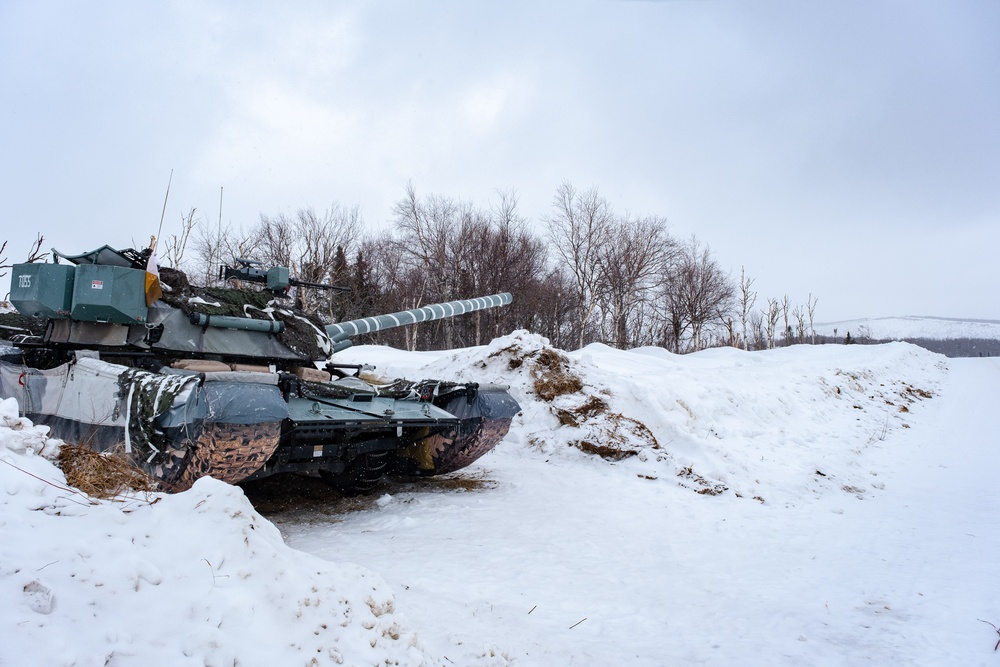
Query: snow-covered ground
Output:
(198,578)
(898,328)
(817,505)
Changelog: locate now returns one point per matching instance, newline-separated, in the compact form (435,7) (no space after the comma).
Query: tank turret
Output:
(230,382)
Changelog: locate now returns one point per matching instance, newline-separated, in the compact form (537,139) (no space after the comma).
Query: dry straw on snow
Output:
(102,475)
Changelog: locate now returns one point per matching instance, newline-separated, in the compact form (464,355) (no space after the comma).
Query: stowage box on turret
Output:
(109,294)
(43,290)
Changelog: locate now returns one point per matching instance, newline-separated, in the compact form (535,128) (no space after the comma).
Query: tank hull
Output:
(235,426)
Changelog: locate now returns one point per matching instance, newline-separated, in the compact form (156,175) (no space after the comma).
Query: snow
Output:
(198,578)
(820,505)
(910,327)
(197,300)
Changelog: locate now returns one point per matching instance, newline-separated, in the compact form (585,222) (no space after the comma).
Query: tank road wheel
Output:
(362,474)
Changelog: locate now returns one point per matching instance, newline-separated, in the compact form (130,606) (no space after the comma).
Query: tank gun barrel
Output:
(341,332)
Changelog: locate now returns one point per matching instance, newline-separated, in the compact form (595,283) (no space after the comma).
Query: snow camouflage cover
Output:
(176,427)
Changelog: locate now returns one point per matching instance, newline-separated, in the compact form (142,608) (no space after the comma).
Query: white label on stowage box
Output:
(97,284)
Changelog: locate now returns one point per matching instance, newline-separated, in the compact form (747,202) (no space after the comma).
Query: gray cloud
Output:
(847,149)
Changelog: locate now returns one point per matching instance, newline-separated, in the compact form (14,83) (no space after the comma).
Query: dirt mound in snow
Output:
(559,396)
(723,420)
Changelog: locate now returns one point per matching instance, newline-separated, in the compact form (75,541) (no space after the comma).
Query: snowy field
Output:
(829,505)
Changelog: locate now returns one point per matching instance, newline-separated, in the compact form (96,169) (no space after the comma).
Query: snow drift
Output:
(766,425)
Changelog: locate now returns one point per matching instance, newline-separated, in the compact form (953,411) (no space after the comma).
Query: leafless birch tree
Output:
(771,315)
(747,300)
(799,314)
(811,307)
(786,305)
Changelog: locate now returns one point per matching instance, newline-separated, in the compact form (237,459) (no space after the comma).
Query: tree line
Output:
(586,273)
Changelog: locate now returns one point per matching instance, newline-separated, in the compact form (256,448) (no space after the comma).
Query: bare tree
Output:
(747,300)
(379,275)
(675,321)
(785,312)
(175,245)
(799,314)
(771,315)
(732,336)
(811,307)
(512,259)
(450,249)
(632,264)
(321,252)
(35,253)
(308,245)
(273,238)
(213,250)
(757,330)
(432,237)
(425,231)
(578,229)
(698,293)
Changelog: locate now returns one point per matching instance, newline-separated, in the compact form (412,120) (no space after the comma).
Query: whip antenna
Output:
(165,198)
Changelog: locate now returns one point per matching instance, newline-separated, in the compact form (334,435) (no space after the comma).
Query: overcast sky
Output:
(847,149)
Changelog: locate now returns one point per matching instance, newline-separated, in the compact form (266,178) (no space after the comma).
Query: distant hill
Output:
(950,336)
(898,328)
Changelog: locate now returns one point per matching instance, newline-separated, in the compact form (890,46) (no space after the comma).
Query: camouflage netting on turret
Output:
(303,333)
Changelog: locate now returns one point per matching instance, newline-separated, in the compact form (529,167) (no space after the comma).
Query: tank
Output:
(234,382)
